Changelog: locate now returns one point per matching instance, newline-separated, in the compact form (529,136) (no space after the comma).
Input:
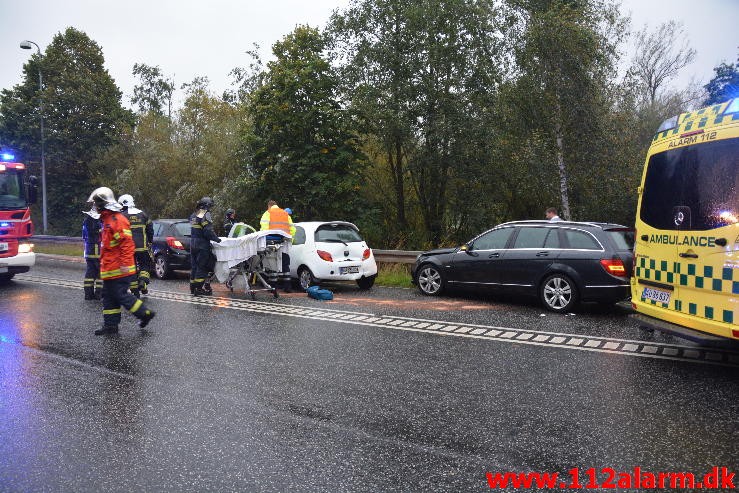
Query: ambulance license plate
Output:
(349,270)
(657,295)
(3,247)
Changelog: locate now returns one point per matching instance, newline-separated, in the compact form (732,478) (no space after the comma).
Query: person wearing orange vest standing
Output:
(117,264)
(276,218)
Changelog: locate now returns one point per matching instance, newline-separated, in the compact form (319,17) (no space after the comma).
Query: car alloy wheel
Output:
(430,281)
(161,267)
(305,278)
(558,293)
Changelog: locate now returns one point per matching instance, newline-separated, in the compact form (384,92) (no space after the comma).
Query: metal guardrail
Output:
(388,256)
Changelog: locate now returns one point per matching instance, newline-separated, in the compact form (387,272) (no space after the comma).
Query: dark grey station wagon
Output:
(562,263)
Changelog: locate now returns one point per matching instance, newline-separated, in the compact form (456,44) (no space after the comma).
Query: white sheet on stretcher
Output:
(232,251)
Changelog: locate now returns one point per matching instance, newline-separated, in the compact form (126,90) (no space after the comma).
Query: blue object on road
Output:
(317,293)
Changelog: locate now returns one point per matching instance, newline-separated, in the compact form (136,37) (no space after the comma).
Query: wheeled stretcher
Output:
(255,257)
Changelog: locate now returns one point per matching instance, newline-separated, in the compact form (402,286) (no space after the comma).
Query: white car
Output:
(331,251)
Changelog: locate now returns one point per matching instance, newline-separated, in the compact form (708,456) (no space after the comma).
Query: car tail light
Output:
(25,247)
(366,254)
(614,266)
(325,255)
(174,243)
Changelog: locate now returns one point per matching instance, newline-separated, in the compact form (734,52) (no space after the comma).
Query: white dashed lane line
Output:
(578,342)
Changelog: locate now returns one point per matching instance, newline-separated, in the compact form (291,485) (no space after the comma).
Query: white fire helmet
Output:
(103,198)
(126,200)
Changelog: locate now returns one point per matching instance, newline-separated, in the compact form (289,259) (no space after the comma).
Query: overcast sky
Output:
(191,38)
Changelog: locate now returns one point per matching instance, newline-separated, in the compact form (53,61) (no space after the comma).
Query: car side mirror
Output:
(466,248)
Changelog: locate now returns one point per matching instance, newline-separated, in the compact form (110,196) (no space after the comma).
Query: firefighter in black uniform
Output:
(229,221)
(201,255)
(91,235)
(143,234)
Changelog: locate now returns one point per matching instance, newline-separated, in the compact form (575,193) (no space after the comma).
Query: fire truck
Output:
(16,194)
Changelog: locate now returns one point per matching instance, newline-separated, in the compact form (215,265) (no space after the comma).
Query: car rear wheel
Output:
(558,293)
(430,280)
(366,283)
(161,267)
(305,278)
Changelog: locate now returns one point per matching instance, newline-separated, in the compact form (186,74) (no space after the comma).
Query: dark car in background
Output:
(171,246)
(561,263)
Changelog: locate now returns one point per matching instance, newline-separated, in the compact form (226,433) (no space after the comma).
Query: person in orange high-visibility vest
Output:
(117,264)
(276,218)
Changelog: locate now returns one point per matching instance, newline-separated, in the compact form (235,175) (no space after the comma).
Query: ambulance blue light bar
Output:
(668,124)
(733,107)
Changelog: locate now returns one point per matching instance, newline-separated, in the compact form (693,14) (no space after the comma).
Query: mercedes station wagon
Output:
(562,263)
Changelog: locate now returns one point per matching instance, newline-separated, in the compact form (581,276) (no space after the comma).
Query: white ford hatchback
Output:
(331,251)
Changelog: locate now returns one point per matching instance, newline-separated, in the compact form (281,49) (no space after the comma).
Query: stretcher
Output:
(255,257)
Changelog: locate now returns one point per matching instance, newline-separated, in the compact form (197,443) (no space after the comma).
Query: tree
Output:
(421,75)
(660,56)
(83,115)
(303,153)
(154,92)
(724,85)
(565,54)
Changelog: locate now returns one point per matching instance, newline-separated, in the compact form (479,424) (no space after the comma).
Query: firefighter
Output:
(228,221)
(201,254)
(117,264)
(91,236)
(276,218)
(143,234)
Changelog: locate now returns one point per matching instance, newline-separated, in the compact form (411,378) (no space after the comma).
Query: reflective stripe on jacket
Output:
(276,218)
(201,230)
(117,246)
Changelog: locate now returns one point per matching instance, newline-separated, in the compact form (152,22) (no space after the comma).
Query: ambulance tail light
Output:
(735,333)
(325,255)
(614,266)
(173,242)
(366,254)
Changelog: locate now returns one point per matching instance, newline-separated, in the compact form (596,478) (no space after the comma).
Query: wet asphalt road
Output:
(376,391)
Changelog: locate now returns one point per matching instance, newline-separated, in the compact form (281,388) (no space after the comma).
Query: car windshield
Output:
(12,193)
(336,233)
(693,187)
(622,238)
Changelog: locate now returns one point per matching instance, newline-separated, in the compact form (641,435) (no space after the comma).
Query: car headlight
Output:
(25,247)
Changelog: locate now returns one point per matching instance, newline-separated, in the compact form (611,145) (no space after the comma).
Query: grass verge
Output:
(395,275)
(74,251)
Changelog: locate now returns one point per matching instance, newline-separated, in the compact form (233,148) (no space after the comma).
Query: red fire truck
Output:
(16,228)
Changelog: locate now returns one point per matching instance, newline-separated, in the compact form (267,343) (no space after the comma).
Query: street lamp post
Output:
(26,45)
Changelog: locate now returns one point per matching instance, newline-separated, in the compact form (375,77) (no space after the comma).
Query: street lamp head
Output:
(26,45)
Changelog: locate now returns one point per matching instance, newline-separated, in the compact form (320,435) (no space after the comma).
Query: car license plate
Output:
(657,295)
(3,247)
(349,270)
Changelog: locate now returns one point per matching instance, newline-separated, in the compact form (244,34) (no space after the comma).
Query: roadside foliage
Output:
(424,122)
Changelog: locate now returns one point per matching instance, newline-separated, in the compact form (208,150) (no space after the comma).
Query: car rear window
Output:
(622,238)
(157,228)
(337,233)
(182,229)
(580,240)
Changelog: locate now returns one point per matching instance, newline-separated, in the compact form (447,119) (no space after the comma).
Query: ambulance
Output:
(686,256)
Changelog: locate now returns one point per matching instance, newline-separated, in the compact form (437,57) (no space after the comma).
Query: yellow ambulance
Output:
(686,256)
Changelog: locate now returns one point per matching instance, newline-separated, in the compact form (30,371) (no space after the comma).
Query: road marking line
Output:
(650,349)
(628,347)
